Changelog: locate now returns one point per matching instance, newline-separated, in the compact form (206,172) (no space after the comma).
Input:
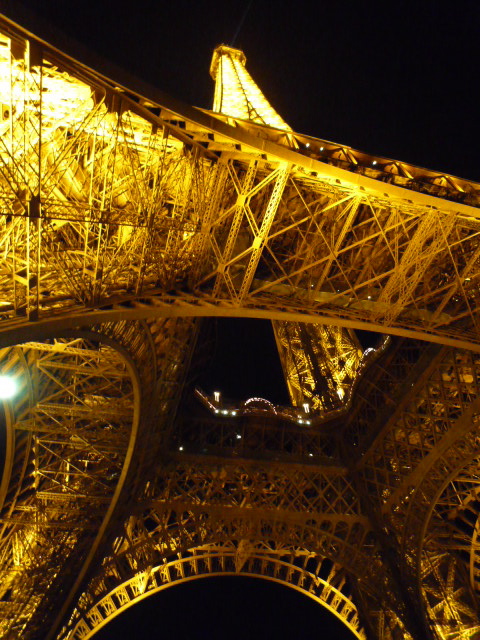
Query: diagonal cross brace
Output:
(260,239)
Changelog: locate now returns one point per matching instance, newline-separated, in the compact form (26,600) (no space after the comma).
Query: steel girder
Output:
(115,206)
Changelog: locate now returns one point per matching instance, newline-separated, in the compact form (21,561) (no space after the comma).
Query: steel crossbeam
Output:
(107,201)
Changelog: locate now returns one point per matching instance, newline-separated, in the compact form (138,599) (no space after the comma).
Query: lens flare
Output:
(8,387)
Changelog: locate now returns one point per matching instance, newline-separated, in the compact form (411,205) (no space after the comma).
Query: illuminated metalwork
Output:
(319,363)
(236,93)
(71,438)
(299,570)
(125,218)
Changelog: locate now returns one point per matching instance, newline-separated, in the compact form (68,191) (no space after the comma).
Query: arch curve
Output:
(441,570)
(73,440)
(311,575)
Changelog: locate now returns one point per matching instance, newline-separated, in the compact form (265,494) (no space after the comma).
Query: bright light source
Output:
(311,455)
(374,162)
(225,412)
(180,448)
(8,387)
(308,422)
(233,413)
(307,145)
(306,407)
(239,437)
(216,410)
(321,148)
(300,421)
(369,297)
(216,396)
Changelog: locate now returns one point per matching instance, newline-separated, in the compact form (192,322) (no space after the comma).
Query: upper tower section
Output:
(236,93)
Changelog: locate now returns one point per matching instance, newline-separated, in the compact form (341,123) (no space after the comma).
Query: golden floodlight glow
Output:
(8,387)
(237,94)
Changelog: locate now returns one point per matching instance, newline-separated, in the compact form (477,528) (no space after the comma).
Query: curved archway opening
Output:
(233,607)
(69,435)
(326,586)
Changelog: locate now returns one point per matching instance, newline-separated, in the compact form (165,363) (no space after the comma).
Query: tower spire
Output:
(237,94)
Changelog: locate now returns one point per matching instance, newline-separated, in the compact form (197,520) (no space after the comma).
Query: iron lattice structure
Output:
(128,219)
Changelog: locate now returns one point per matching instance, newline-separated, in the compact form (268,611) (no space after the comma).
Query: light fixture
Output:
(374,162)
(216,396)
(307,145)
(321,148)
(8,387)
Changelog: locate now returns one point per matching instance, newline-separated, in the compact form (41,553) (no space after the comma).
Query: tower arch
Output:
(70,433)
(299,570)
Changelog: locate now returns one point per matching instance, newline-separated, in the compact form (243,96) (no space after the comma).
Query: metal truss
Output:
(85,413)
(268,435)
(316,577)
(420,472)
(125,218)
(236,93)
(196,502)
(319,363)
(62,471)
(115,206)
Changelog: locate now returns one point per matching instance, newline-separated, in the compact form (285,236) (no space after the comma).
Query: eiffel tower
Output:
(130,220)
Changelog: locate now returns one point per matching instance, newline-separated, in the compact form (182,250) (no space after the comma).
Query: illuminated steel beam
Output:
(107,197)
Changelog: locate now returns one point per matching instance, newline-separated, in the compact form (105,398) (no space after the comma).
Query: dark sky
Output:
(394,78)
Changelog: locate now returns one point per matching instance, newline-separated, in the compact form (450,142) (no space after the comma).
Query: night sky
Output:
(396,79)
